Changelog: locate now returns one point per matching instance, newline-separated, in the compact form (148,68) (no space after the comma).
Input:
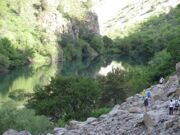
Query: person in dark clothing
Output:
(146,103)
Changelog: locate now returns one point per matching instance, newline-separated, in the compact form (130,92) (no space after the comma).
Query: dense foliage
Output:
(22,119)
(21,39)
(66,98)
(87,46)
(114,87)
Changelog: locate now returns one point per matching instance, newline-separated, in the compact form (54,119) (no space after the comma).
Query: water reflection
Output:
(25,79)
(105,70)
(99,65)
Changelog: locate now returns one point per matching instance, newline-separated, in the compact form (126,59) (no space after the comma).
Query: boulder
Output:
(24,133)
(75,124)
(59,131)
(90,120)
(148,123)
(11,132)
(178,91)
(178,71)
(135,110)
(168,124)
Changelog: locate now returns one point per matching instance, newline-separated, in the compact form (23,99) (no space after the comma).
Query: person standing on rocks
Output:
(149,95)
(171,107)
(146,103)
(161,81)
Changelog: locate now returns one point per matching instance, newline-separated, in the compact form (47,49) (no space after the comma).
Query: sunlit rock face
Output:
(53,3)
(121,14)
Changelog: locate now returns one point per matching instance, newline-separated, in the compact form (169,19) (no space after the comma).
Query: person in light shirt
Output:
(171,107)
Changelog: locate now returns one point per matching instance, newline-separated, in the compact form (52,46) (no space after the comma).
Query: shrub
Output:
(174,49)
(97,43)
(22,119)
(114,87)
(98,112)
(66,98)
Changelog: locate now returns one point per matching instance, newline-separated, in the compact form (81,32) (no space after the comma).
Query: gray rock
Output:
(135,110)
(178,71)
(11,132)
(148,123)
(59,131)
(24,133)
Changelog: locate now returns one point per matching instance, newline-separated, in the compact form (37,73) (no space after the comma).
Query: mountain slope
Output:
(125,14)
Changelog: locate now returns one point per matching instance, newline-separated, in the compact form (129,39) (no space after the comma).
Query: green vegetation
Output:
(66,98)
(22,119)
(74,8)
(155,45)
(87,46)
(114,87)
(21,41)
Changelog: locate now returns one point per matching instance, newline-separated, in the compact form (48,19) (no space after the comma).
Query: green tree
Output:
(21,119)
(66,98)
(114,87)
(174,49)
(97,43)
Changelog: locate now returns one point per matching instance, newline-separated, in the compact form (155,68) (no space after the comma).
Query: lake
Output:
(22,81)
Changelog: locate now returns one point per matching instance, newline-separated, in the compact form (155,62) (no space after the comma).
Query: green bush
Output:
(174,49)
(114,87)
(22,119)
(98,112)
(66,98)
(97,43)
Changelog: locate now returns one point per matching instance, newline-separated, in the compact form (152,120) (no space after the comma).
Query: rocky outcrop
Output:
(178,71)
(129,118)
(14,132)
(127,12)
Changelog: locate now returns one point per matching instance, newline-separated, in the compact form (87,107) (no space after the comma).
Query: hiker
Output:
(171,107)
(146,103)
(148,93)
(176,104)
(143,93)
(161,80)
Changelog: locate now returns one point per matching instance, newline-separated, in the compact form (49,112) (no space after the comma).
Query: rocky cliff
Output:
(123,14)
(129,118)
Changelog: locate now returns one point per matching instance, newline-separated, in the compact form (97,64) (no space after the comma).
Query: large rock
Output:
(59,131)
(135,110)
(14,132)
(148,123)
(11,132)
(178,71)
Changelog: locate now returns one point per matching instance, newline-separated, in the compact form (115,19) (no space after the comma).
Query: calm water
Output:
(27,78)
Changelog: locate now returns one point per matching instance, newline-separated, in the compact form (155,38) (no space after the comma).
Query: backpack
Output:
(176,103)
(148,94)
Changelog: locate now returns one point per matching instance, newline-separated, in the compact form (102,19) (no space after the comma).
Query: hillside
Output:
(130,118)
(30,30)
(53,51)
(127,14)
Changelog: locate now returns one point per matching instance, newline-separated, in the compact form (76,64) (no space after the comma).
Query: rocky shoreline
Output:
(129,118)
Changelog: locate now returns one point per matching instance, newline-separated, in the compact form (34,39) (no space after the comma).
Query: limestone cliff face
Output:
(55,23)
(121,14)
